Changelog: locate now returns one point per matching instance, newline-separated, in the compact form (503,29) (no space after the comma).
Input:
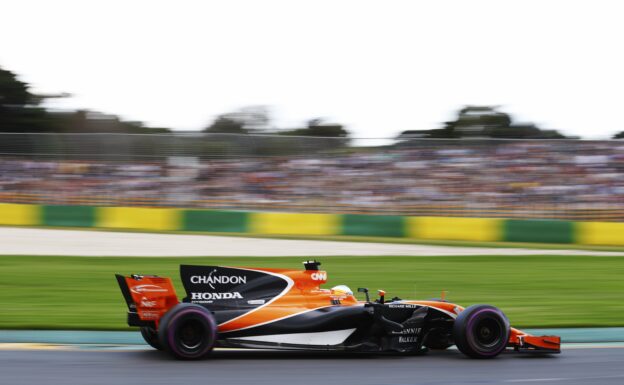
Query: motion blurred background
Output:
(447,109)
(479,121)
(474,176)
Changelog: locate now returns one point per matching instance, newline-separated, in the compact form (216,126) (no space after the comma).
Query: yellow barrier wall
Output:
(600,233)
(22,215)
(460,229)
(294,224)
(138,218)
(437,228)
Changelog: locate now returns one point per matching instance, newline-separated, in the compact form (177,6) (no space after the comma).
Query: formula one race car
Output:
(287,309)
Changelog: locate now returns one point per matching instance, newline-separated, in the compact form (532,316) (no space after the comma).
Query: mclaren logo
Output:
(213,279)
(140,289)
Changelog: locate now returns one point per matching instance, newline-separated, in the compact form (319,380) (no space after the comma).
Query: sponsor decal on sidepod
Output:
(213,296)
(212,279)
(319,276)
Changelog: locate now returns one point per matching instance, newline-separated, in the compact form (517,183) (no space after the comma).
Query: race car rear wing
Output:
(148,298)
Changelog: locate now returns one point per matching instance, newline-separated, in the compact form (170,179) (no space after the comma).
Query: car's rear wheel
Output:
(188,331)
(481,331)
(150,335)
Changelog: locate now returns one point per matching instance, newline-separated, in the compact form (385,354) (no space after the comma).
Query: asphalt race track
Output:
(37,364)
(580,366)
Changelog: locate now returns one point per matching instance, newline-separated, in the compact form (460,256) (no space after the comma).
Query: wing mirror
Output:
(365,291)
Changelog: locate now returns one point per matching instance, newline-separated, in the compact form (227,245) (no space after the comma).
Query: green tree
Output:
(19,111)
(91,121)
(13,93)
(484,122)
(250,119)
(316,127)
(619,135)
(224,125)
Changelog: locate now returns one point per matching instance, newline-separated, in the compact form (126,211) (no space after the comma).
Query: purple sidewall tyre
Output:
(481,331)
(188,331)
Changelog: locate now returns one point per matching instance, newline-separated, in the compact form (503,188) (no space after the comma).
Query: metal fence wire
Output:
(568,179)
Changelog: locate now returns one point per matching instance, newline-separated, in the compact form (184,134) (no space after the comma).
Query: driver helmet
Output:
(341,290)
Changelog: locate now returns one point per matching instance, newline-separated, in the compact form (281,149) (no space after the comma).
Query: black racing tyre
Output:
(481,331)
(150,335)
(188,331)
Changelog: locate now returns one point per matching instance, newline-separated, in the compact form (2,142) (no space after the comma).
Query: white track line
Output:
(589,380)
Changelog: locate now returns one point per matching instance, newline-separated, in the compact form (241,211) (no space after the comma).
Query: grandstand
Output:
(567,179)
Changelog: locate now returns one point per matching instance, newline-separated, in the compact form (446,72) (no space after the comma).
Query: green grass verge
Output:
(534,291)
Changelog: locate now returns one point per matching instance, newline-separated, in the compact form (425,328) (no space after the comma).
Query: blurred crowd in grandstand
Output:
(560,179)
(240,161)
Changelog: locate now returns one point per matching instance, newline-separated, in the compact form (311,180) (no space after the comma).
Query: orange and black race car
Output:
(286,309)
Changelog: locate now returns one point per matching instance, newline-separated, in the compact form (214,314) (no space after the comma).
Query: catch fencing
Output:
(554,179)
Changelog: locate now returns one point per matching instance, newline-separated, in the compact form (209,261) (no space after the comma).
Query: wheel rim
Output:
(488,332)
(191,334)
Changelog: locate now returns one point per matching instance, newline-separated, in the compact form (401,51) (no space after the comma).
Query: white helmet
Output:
(341,290)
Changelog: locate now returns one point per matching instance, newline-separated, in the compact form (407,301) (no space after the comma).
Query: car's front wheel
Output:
(481,331)
(188,331)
